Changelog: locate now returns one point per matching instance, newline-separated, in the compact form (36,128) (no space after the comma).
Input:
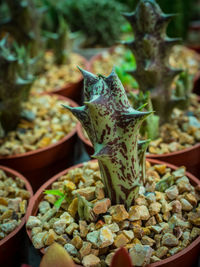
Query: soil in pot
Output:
(63,79)
(161,224)
(15,193)
(44,131)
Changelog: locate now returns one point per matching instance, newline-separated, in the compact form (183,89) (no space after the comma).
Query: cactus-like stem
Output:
(63,43)
(13,88)
(151,49)
(184,86)
(113,128)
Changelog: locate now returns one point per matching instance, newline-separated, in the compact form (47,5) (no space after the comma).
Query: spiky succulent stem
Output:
(13,88)
(62,44)
(113,128)
(152,48)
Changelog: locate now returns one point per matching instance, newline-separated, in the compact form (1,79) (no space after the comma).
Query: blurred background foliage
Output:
(100,21)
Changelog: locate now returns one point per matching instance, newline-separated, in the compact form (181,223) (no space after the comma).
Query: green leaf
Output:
(59,202)
(54,192)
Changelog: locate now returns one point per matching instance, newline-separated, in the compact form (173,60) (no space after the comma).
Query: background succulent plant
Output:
(119,153)
(15,83)
(23,23)
(152,48)
(100,21)
(183,9)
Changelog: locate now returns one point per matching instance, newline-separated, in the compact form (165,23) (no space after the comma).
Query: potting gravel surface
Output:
(58,76)
(43,123)
(163,220)
(13,203)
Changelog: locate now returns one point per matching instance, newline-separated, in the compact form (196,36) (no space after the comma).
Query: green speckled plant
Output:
(152,48)
(113,128)
(15,83)
(60,42)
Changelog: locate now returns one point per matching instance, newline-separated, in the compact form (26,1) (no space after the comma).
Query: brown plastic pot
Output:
(10,245)
(184,258)
(35,164)
(73,90)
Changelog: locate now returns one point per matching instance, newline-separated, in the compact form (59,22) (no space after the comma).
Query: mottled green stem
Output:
(113,128)
(151,48)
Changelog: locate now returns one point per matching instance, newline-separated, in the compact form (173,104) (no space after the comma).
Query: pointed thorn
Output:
(88,75)
(100,151)
(95,100)
(77,111)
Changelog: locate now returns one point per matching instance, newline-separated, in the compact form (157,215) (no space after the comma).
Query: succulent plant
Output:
(151,48)
(60,41)
(100,21)
(15,83)
(184,86)
(113,128)
(24,24)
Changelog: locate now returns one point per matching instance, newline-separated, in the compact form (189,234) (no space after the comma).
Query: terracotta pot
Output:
(73,90)
(10,245)
(184,258)
(33,163)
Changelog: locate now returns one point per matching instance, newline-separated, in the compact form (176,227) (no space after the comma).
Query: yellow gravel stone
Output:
(50,237)
(3,201)
(73,207)
(77,242)
(121,240)
(161,168)
(119,213)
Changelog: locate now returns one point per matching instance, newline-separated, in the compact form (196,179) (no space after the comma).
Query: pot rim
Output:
(62,140)
(28,187)
(32,209)
(176,153)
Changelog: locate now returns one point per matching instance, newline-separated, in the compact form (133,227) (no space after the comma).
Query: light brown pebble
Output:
(161,252)
(147,241)
(154,208)
(87,192)
(101,206)
(186,205)
(91,261)
(121,240)
(50,238)
(85,249)
(83,228)
(169,240)
(138,213)
(118,213)
(77,242)
(109,258)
